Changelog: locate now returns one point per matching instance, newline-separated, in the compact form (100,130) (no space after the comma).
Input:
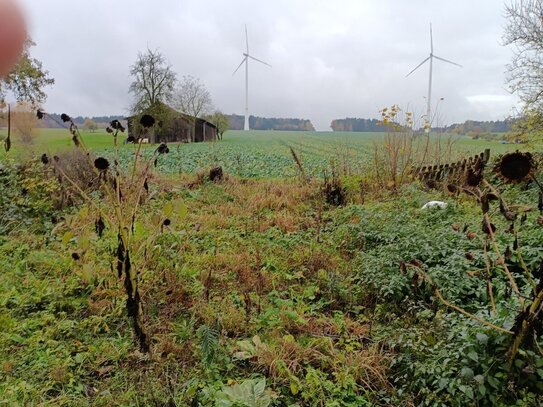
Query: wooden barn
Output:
(172,127)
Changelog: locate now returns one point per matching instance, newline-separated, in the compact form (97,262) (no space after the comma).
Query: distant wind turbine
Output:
(245,61)
(431,59)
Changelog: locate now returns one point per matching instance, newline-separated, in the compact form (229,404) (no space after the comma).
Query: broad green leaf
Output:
(67,237)
(168,209)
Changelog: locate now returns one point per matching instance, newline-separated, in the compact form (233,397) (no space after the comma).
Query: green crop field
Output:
(259,154)
(262,289)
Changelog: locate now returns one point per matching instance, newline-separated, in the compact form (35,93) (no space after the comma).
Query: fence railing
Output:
(455,169)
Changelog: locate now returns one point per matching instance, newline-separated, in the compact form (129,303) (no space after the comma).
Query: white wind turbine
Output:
(245,60)
(431,59)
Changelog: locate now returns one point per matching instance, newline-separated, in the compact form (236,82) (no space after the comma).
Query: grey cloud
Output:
(330,59)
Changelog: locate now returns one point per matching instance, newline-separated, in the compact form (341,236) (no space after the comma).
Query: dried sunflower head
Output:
(474,174)
(162,149)
(116,124)
(515,167)
(452,189)
(147,120)
(101,164)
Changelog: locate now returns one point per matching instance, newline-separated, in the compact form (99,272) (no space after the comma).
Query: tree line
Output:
(356,124)
(270,123)
(469,126)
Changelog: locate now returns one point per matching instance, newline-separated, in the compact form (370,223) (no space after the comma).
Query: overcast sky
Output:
(331,59)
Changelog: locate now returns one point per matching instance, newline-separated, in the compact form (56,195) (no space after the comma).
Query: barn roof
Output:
(177,113)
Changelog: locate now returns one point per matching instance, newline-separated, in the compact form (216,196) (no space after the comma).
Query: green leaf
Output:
(168,209)
(473,356)
(467,373)
(482,338)
(294,388)
(67,237)
(182,210)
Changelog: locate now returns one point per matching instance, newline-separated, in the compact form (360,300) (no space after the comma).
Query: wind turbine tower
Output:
(245,60)
(431,58)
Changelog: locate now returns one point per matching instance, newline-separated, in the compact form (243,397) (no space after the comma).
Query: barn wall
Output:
(181,129)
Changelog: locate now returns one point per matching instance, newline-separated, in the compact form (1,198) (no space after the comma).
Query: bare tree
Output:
(524,31)
(90,125)
(154,80)
(192,98)
(24,122)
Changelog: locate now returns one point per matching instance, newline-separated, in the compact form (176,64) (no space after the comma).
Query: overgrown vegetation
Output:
(253,292)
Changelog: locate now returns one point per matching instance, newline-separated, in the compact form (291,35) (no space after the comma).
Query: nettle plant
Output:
(118,203)
(505,258)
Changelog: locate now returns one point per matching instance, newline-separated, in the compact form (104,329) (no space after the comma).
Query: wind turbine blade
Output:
(431,40)
(246,39)
(417,67)
(446,60)
(258,60)
(239,66)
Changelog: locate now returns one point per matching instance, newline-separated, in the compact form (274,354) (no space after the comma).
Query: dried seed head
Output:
(473,177)
(99,226)
(515,167)
(167,222)
(147,120)
(39,114)
(109,129)
(452,189)
(101,164)
(44,159)
(162,149)
(65,118)
(485,206)
(116,125)
(486,229)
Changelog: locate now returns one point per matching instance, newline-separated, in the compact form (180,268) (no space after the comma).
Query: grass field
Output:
(261,290)
(261,154)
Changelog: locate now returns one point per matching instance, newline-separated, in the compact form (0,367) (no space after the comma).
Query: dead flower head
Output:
(147,120)
(101,163)
(515,167)
(116,124)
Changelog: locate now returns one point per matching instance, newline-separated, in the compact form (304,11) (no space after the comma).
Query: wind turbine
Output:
(245,61)
(431,59)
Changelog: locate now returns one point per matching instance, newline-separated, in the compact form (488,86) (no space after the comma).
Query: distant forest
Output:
(52,120)
(473,126)
(264,123)
(468,127)
(355,124)
(236,122)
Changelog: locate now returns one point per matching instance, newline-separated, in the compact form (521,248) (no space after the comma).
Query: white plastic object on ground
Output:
(435,204)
